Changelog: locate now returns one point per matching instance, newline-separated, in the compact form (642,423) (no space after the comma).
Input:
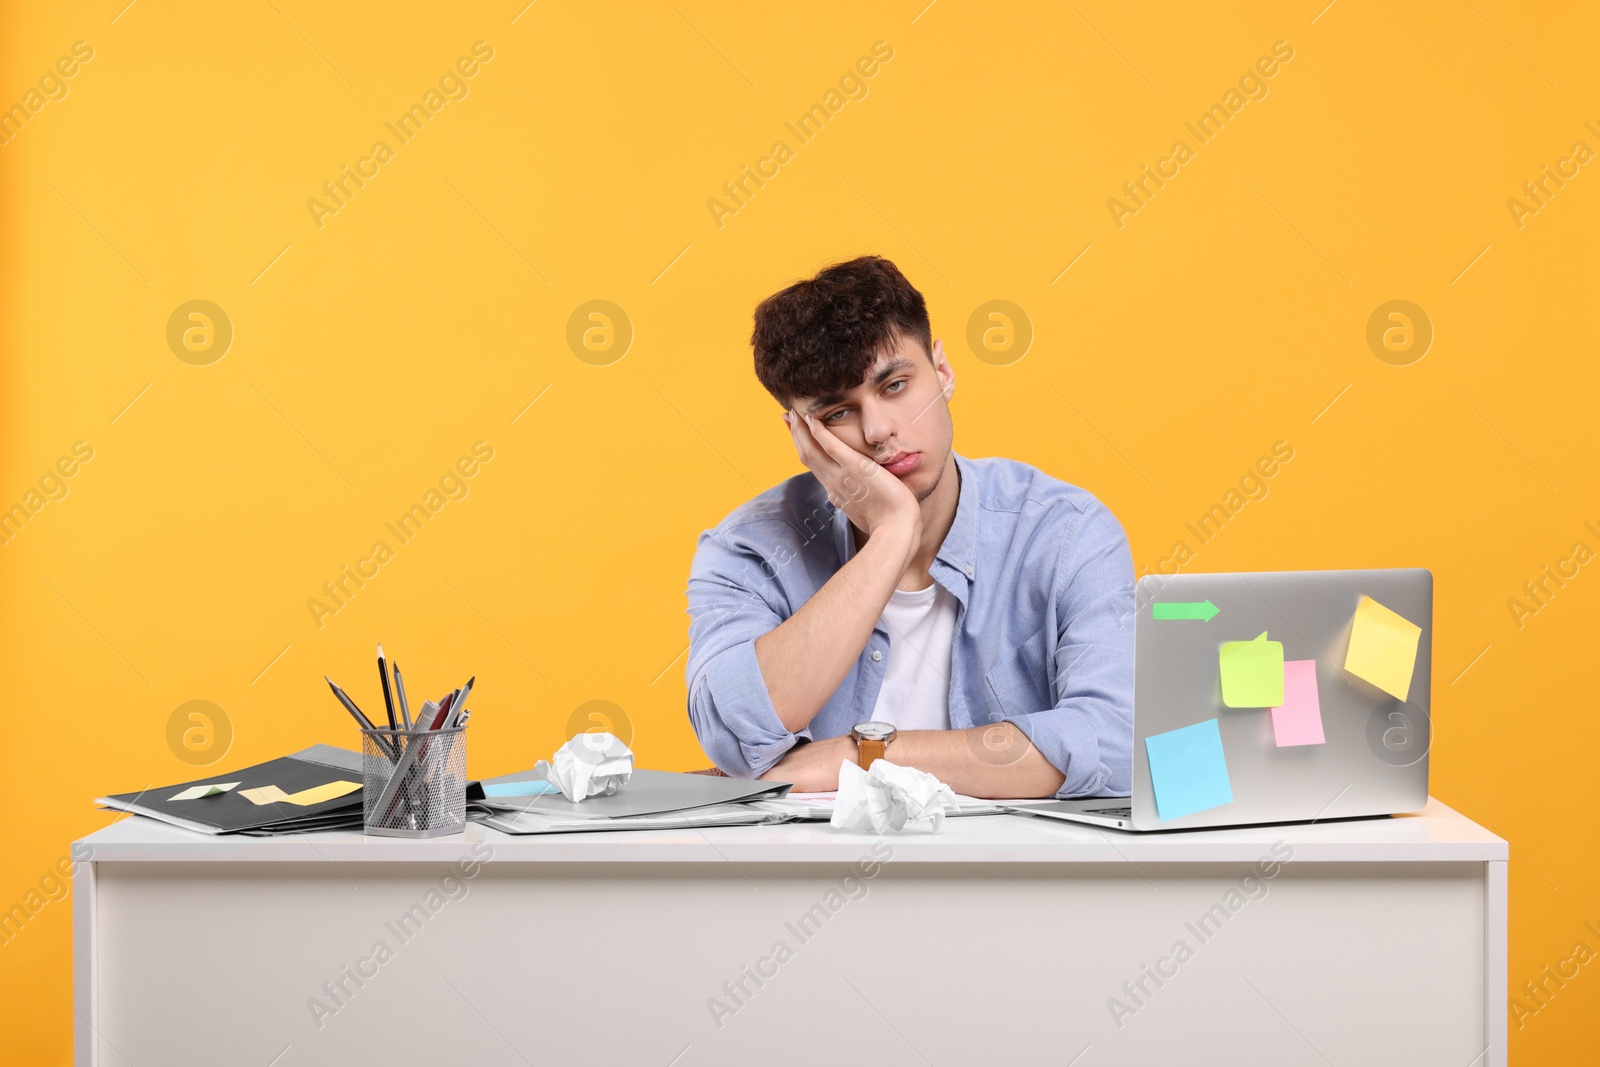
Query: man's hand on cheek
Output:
(869,495)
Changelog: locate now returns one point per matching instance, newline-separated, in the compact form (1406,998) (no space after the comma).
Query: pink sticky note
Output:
(1299,720)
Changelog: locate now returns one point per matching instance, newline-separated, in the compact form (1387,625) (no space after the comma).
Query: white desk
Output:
(1002,939)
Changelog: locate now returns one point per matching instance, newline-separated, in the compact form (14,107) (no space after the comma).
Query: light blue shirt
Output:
(1043,580)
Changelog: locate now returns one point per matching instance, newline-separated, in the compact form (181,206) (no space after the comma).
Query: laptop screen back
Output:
(1353,735)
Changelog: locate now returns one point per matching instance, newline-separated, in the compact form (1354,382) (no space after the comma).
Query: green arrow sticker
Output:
(1203,610)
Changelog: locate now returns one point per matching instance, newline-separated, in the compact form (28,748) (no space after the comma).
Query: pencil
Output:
(358,715)
(388,700)
(400,696)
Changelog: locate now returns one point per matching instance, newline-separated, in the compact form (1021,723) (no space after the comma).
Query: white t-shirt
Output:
(916,680)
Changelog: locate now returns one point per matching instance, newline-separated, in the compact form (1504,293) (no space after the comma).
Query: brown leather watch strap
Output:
(867,751)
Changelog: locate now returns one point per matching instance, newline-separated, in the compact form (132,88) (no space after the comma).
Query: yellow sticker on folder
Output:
(1383,648)
(316,795)
(271,794)
(264,794)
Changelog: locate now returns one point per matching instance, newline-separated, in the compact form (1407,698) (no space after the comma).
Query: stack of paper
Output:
(651,800)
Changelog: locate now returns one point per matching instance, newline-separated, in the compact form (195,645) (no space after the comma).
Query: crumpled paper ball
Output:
(888,797)
(590,765)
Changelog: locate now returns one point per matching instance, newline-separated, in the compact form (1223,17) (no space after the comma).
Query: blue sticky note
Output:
(537,787)
(1188,770)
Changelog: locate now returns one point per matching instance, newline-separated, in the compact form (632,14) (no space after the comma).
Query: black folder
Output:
(231,813)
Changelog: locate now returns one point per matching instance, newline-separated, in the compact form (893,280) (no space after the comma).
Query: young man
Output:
(972,618)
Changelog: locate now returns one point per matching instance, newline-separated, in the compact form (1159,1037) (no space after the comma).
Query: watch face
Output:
(874,731)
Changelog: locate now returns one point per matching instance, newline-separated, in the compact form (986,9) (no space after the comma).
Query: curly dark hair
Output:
(819,337)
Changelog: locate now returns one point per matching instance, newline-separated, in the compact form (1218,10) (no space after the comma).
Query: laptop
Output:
(1353,632)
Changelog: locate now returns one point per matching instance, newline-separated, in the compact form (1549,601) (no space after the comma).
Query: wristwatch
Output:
(872,741)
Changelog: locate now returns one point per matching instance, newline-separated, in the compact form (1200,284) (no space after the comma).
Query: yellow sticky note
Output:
(317,794)
(1252,673)
(264,794)
(1383,648)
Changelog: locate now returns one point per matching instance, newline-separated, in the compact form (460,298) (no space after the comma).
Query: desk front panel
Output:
(210,963)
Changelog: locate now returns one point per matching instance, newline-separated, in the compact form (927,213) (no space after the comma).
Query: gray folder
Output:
(645,793)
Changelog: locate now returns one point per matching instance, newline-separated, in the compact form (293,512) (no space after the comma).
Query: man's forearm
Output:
(804,658)
(996,762)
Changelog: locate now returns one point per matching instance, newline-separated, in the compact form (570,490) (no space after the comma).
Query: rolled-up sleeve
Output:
(731,603)
(1088,734)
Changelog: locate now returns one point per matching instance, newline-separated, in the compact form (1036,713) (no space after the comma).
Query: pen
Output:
(356,713)
(430,718)
(443,714)
(400,694)
(458,708)
(388,700)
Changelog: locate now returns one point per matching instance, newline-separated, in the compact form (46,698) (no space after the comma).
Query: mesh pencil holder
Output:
(417,785)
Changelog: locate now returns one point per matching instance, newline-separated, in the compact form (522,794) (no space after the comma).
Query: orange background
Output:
(369,353)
